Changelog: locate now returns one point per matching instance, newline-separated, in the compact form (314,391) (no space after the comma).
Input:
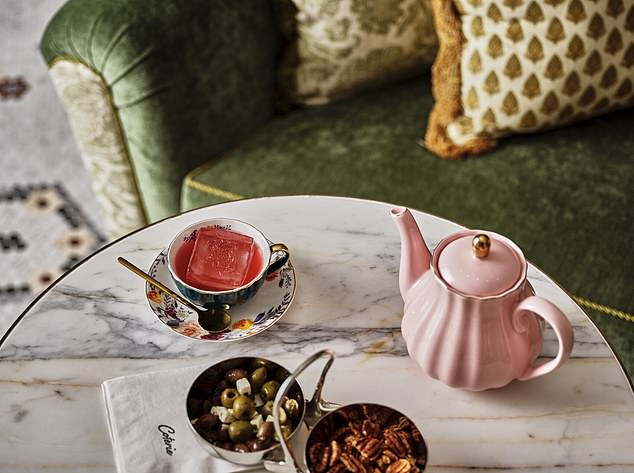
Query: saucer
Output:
(247,319)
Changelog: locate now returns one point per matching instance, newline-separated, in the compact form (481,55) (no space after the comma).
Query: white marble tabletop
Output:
(95,324)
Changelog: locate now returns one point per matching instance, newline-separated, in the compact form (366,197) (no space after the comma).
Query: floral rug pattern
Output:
(43,234)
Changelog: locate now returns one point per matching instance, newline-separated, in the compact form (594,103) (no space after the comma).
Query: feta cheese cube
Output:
(257,400)
(243,386)
(225,415)
(257,421)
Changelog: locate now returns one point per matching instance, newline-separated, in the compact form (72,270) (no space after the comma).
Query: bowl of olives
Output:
(230,408)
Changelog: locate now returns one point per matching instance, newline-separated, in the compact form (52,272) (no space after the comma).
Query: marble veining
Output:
(95,324)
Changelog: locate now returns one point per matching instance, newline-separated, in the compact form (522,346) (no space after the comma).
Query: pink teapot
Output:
(471,318)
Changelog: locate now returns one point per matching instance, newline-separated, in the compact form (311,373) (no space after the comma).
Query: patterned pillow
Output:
(518,66)
(336,48)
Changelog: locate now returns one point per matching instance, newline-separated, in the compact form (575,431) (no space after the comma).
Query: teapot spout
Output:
(415,256)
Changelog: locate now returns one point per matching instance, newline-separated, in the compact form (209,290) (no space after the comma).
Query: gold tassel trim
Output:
(604,309)
(189,181)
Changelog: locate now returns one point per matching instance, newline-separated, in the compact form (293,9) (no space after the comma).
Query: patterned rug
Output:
(44,234)
(49,217)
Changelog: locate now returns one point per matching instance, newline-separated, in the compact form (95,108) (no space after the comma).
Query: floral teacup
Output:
(234,295)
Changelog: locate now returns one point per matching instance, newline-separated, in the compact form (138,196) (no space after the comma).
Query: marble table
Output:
(95,324)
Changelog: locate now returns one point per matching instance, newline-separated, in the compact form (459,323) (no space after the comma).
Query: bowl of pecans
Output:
(365,438)
(357,438)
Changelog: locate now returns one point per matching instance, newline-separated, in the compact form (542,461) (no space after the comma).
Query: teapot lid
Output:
(480,264)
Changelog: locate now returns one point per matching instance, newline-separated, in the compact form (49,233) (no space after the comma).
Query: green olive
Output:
(291,406)
(267,409)
(240,431)
(258,377)
(243,407)
(228,397)
(235,374)
(269,390)
(269,365)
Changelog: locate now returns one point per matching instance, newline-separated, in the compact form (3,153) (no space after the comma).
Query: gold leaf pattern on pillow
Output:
(476,26)
(531,87)
(513,4)
(336,48)
(576,48)
(475,63)
(628,57)
(554,68)
(550,104)
(513,68)
(527,65)
(535,50)
(555,31)
(629,22)
(576,12)
(593,64)
(625,89)
(494,13)
(514,31)
(534,13)
(596,28)
(615,8)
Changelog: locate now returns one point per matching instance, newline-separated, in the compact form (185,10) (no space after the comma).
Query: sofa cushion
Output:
(330,50)
(564,196)
(519,66)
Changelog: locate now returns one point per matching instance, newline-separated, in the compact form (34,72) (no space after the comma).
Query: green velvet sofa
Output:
(173,107)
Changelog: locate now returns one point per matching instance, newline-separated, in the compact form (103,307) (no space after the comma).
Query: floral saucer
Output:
(247,319)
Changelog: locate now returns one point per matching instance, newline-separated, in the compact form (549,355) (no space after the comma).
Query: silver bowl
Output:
(202,391)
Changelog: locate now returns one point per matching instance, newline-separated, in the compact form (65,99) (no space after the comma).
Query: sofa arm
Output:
(153,89)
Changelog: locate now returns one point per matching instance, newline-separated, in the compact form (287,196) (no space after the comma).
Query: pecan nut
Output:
(370,429)
(370,449)
(335,453)
(395,443)
(319,455)
(352,463)
(387,458)
(400,466)
(338,468)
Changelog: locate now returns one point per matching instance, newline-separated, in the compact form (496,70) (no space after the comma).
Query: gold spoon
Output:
(214,319)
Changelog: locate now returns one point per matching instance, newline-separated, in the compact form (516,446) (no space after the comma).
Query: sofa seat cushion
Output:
(564,196)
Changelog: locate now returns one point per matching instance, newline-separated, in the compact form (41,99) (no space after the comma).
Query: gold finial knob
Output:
(481,245)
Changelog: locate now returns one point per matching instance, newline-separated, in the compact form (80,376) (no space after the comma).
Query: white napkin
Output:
(148,425)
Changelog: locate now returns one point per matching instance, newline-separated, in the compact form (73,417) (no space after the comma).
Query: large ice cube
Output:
(220,259)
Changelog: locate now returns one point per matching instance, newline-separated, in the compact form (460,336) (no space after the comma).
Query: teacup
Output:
(215,298)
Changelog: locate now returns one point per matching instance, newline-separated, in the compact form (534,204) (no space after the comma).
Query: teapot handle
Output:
(561,325)
(315,409)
